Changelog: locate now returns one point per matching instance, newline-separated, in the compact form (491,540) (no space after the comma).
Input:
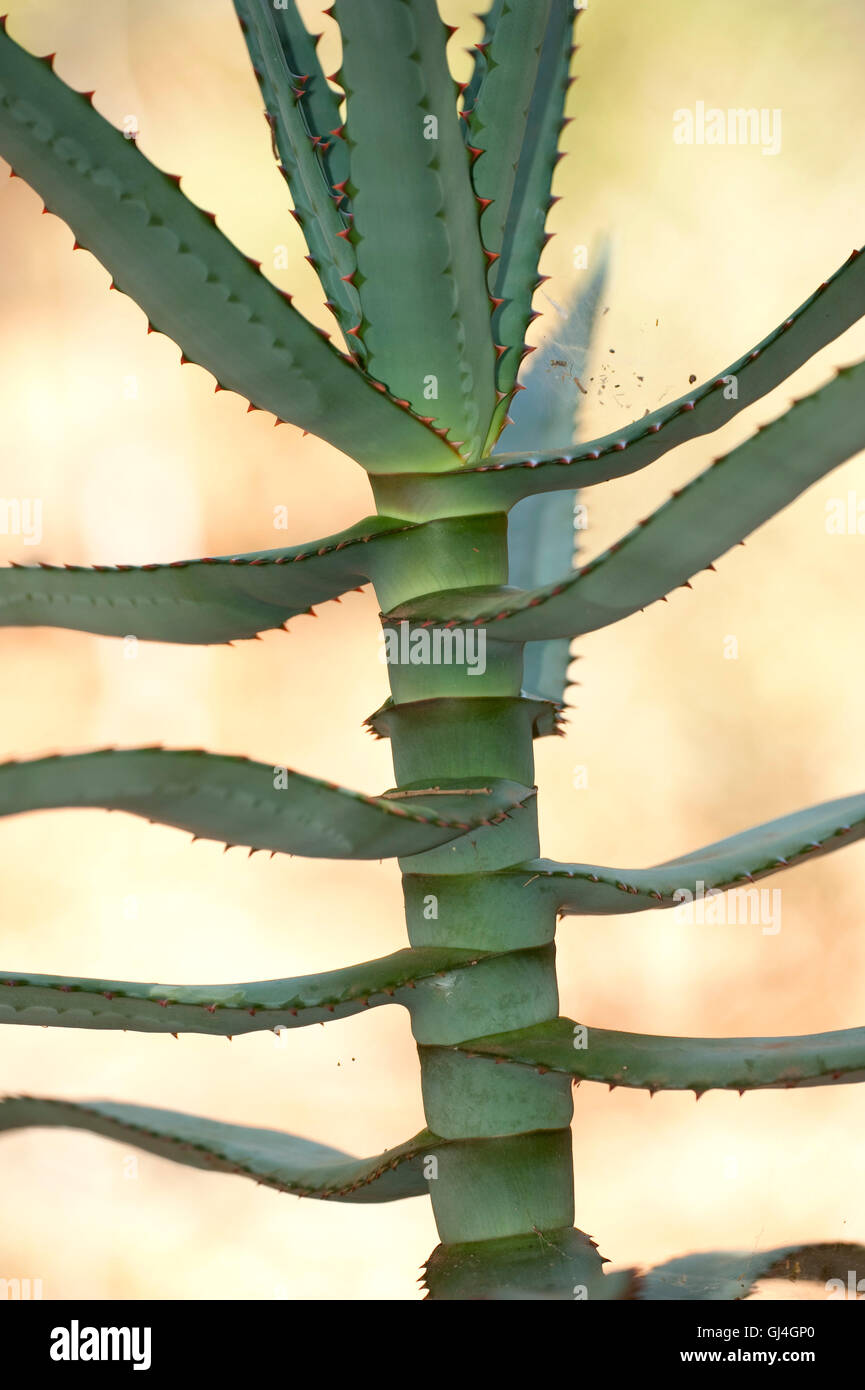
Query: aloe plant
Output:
(470,552)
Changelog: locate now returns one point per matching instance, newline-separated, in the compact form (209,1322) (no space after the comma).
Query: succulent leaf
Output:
(703,520)
(495,484)
(67,1001)
(716,1275)
(191,281)
(480,62)
(303,114)
(515,124)
(655,1063)
(734,862)
(319,102)
(218,599)
(281,1161)
(542,530)
(246,803)
(421,270)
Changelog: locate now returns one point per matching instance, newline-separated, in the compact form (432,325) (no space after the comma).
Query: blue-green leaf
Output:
(281,1161)
(495,484)
(191,281)
(542,529)
(703,520)
(421,269)
(650,1062)
(252,804)
(722,1275)
(303,114)
(735,862)
(71,1001)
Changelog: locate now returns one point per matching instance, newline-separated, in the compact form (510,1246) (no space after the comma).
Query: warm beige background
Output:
(712,248)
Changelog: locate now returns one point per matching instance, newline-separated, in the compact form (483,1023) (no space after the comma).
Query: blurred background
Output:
(137,460)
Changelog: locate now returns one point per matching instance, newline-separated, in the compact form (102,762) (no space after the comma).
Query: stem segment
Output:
(510,1173)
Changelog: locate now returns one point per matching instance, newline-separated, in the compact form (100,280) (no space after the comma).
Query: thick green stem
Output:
(464,721)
